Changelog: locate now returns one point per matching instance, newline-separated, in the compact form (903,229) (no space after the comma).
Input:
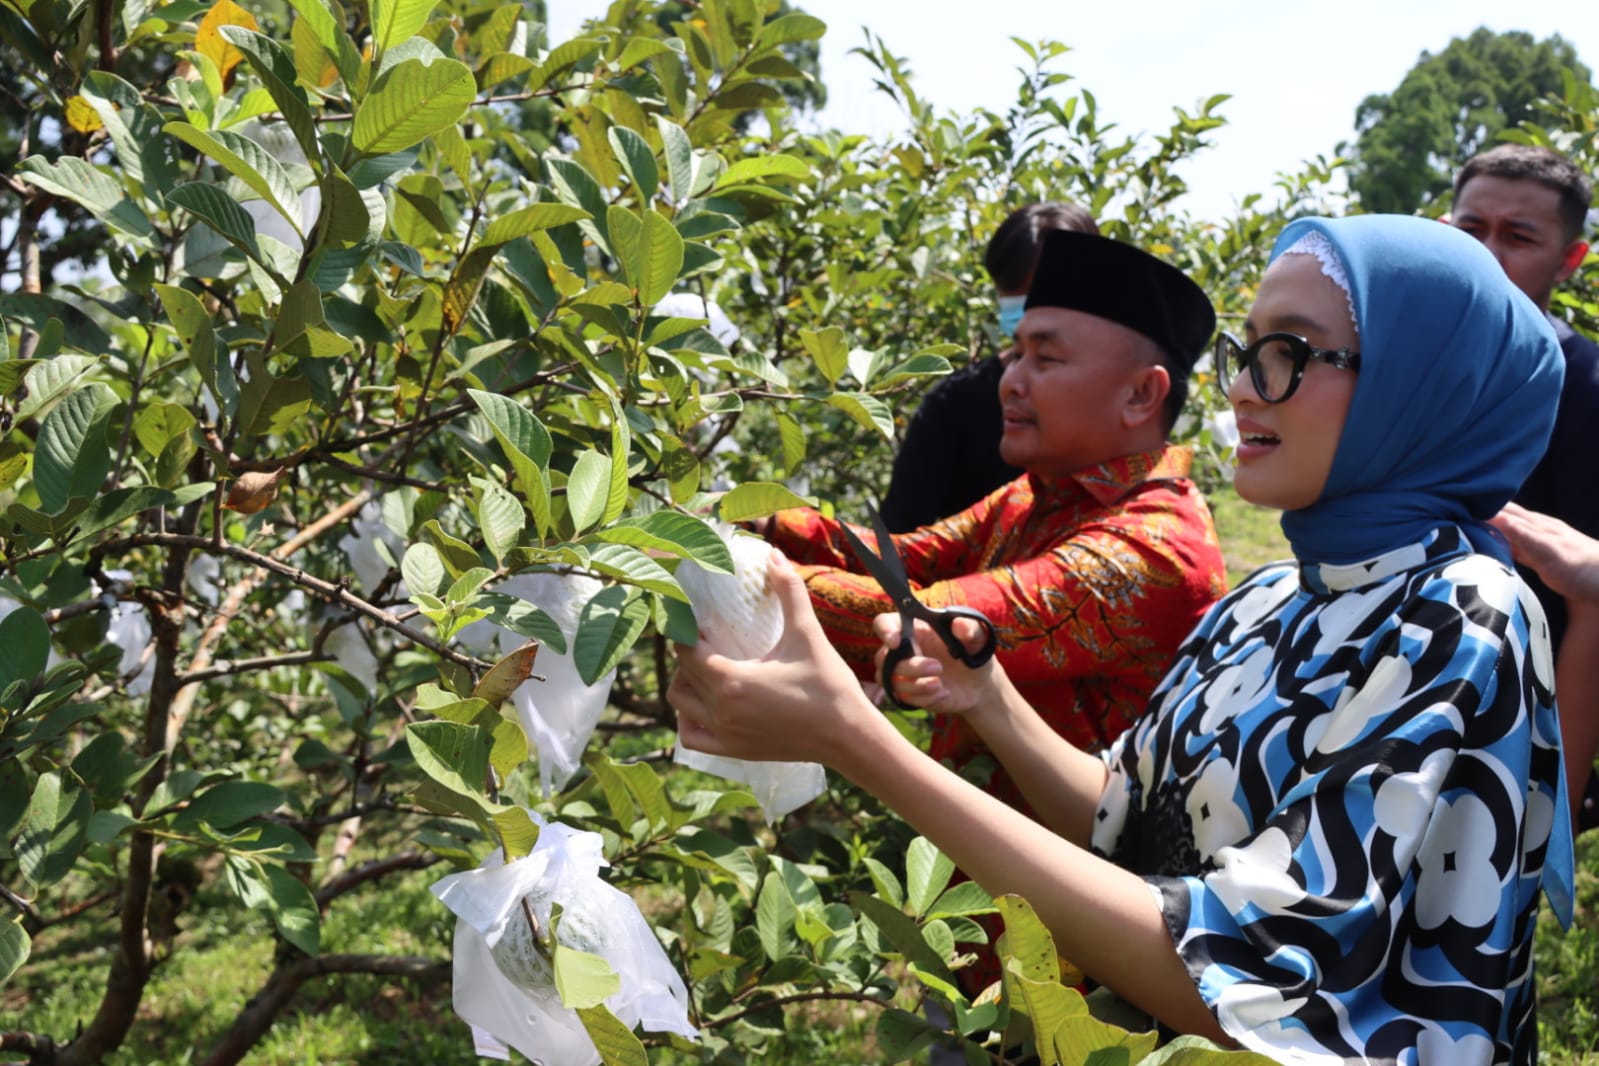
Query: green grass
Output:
(1250,535)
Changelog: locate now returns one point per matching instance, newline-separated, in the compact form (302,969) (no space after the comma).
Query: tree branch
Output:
(374,870)
(263,1009)
(333,593)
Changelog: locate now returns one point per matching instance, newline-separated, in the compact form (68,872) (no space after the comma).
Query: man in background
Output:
(1528,205)
(949,458)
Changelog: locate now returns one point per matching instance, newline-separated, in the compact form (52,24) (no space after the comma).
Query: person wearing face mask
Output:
(1326,838)
(949,457)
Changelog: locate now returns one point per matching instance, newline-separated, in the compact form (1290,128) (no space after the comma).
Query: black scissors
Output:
(889,570)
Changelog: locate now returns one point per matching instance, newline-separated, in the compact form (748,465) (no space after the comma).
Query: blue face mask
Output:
(1011,309)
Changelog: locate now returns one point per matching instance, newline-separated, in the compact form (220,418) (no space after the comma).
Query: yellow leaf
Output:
(208,39)
(82,116)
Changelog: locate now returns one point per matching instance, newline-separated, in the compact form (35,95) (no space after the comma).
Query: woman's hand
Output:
(937,681)
(1568,561)
(799,703)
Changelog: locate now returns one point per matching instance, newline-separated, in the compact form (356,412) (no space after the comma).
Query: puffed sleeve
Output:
(1390,778)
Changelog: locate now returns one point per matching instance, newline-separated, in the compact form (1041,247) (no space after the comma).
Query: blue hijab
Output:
(1459,378)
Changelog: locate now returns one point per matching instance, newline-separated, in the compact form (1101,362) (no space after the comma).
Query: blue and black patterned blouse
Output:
(1346,798)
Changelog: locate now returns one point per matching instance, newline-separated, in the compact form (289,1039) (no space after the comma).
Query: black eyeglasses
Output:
(1276,362)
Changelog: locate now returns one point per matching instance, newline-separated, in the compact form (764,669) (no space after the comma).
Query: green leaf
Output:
(678,151)
(330,35)
(227,804)
(119,505)
(609,627)
(615,1042)
(791,28)
(902,932)
(903,1035)
(792,437)
(518,832)
(757,499)
(583,979)
(158,423)
(530,220)
(869,411)
(774,919)
(828,348)
(1026,941)
(515,427)
(275,67)
(641,784)
(522,618)
(966,898)
(15,946)
(499,515)
(82,182)
(54,831)
(24,646)
(617,490)
(676,533)
(221,212)
(454,755)
(650,250)
(193,326)
(395,21)
(1197,1051)
(411,101)
(509,749)
(885,882)
(634,567)
(293,909)
(77,329)
(927,872)
(921,365)
(637,160)
(587,489)
(248,162)
(762,166)
(73,456)
(577,187)
(422,569)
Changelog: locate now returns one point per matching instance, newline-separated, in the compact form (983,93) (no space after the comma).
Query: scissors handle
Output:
(942,622)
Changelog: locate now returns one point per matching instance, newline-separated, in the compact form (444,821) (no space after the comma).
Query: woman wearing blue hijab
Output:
(1326,838)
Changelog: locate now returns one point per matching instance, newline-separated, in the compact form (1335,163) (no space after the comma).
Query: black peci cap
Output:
(1115,281)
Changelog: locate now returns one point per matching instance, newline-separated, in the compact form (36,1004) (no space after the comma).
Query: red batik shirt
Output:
(1092,582)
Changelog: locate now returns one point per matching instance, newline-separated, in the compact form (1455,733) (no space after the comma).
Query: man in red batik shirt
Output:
(1099,560)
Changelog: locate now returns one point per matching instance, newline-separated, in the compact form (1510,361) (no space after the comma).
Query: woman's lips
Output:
(1255,440)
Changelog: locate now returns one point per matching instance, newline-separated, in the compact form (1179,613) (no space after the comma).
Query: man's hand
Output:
(1568,561)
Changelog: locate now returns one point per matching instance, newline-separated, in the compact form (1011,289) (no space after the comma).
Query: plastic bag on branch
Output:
(559,713)
(740,617)
(504,981)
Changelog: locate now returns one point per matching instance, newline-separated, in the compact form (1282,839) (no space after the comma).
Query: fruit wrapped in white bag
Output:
(740,617)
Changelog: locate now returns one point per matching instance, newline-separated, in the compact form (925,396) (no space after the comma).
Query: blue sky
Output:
(1296,71)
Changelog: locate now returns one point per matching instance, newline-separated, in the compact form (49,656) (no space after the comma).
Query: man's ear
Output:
(1147,400)
(1571,259)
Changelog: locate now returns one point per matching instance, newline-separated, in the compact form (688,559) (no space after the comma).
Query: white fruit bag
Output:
(504,986)
(740,617)
(559,713)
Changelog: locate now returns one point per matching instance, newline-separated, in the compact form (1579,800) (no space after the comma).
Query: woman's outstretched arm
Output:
(802,702)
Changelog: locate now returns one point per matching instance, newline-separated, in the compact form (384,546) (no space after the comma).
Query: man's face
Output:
(1076,392)
(1519,221)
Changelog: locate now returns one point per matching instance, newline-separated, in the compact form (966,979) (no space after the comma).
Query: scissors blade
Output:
(889,574)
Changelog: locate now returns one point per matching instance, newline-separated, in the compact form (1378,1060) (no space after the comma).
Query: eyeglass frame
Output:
(1299,348)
